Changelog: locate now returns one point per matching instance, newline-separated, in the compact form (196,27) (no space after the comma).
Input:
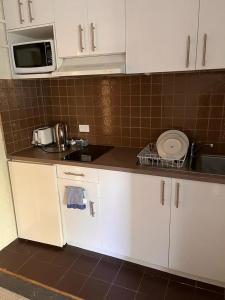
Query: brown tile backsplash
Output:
(22,110)
(121,110)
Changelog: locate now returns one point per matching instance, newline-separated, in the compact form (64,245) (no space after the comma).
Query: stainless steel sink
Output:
(209,164)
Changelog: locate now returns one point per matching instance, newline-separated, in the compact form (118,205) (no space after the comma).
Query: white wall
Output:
(7,219)
(5,72)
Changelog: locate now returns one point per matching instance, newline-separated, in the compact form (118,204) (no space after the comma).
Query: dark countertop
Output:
(117,159)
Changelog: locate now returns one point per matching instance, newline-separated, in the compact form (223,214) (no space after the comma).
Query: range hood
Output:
(91,65)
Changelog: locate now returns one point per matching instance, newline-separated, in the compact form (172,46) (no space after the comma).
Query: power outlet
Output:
(84,128)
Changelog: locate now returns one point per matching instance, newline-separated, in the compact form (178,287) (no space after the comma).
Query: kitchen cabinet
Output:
(7,218)
(197,240)
(36,201)
(211,42)
(5,72)
(92,27)
(135,216)
(161,35)
(81,227)
(25,13)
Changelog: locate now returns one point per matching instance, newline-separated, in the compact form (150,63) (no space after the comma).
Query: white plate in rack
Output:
(172,145)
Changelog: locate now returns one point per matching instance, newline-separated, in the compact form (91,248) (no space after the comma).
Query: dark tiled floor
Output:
(93,276)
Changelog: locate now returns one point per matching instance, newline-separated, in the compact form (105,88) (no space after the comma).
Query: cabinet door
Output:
(71,27)
(106,21)
(25,13)
(161,35)
(36,202)
(7,217)
(16,13)
(135,224)
(197,243)
(211,42)
(81,227)
(40,12)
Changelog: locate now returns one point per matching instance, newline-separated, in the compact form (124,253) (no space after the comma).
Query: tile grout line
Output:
(166,289)
(26,261)
(141,280)
(89,276)
(113,281)
(67,271)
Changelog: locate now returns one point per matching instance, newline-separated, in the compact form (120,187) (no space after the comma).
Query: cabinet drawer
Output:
(77,173)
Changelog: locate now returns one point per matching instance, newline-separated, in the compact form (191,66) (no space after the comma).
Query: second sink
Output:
(209,164)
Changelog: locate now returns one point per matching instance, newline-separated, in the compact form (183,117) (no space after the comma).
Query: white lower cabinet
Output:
(36,202)
(81,227)
(171,223)
(135,216)
(197,239)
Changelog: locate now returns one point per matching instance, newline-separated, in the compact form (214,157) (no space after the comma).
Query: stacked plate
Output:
(172,145)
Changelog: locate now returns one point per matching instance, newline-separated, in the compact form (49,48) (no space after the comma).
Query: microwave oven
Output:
(33,57)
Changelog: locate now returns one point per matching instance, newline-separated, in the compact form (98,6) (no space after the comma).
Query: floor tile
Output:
(129,276)
(179,291)
(85,264)
(65,258)
(154,286)
(94,289)
(117,292)
(41,272)
(47,253)
(210,287)
(72,282)
(201,294)
(12,261)
(107,268)
(157,273)
(88,253)
(141,296)
(182,280)
(23,247)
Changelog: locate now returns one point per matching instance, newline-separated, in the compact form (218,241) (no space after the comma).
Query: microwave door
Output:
(31,58)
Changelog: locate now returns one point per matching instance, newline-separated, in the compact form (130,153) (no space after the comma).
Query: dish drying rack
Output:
(149,157)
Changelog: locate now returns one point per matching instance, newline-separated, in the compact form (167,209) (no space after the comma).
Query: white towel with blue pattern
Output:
(75,197)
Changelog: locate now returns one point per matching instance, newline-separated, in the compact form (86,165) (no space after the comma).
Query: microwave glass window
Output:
(30,56)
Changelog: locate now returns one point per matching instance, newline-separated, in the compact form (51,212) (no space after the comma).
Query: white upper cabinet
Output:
(71,30)
(106,20)
(211,41)
(135,216)
(161,35)
(26,13)
(197,240)
(90,27)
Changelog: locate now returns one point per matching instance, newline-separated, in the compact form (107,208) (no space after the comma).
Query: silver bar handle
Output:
(162,195)
(92,210)
(81,30)
(177,192)
(74,174)
(93,37)
(204,50)
(20,4)
(188,51)
(30,2)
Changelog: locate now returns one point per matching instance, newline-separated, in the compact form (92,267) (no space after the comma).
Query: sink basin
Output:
(209,164)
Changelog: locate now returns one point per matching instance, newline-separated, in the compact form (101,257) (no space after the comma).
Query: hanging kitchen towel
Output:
(75,197)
